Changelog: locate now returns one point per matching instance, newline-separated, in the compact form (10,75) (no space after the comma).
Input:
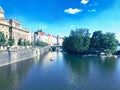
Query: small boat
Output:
(51,60)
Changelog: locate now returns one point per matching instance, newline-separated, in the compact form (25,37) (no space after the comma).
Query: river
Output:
(65,72)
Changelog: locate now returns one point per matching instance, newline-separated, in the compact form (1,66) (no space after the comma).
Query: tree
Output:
(28,43)
(39,43)
(109,43)
(25,42)
(103,42)
(20,42)
(2,39)
(95,42)
(78,41)
(11,41)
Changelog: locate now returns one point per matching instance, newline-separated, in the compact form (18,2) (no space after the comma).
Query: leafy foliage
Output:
(77,42)
(39,43)
(95,42)
(23,43)
(109,43)
(28,43)
(20,42)
(11,41)
(104,42)
(2,39)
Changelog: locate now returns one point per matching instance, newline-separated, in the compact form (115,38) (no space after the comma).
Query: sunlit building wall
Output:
(13,28)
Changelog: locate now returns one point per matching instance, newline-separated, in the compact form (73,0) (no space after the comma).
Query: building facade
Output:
(17,32)
(51,40)
(41,36)
(13,28)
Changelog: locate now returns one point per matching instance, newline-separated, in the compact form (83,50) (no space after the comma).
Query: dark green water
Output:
(66,72)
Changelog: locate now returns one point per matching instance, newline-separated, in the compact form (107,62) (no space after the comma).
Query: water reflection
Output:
(86,72)
(11,75)
(66,72)
(80,70)
(109,63)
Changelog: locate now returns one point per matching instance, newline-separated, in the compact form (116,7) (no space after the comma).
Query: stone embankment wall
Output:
(11,56)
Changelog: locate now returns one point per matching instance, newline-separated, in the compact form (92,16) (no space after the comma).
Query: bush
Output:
(40,43)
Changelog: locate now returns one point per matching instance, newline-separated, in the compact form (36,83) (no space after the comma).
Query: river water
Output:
(65,72)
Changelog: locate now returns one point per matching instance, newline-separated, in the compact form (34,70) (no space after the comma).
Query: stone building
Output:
(13,28)
(4,24)
(17,32)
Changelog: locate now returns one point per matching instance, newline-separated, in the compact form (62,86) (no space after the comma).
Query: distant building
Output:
(59,40)
(52,40)
(47,38)
(31,37)
(41,36)
(13,28)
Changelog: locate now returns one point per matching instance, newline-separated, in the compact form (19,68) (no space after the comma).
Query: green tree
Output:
(109,43)
(25,42)
(39,43)
(78,41)
(103,42)
(95,42)
(28,43)
(32,43)
(11,41)
(20,42)
(2,39)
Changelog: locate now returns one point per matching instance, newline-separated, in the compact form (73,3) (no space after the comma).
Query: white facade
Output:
(52,40)
(49,39)
(60,41)
(31,37)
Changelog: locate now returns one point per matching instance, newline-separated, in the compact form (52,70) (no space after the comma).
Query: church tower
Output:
(1,13)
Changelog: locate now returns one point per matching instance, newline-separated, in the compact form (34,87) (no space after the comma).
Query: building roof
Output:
(41,33)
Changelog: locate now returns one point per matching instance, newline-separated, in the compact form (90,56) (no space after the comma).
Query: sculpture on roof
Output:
(1,13)
(1,10)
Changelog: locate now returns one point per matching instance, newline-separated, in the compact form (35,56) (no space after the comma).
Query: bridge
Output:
(56,48)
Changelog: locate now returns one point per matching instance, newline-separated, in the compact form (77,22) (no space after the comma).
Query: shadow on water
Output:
(83,64)
(77,63)
(11,75)
(108,63)
(91,72)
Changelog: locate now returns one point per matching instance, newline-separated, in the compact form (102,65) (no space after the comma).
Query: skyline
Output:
(59,17)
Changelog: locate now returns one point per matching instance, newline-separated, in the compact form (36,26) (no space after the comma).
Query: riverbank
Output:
(14,55)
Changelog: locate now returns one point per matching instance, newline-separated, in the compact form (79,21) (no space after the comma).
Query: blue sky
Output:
(60,16)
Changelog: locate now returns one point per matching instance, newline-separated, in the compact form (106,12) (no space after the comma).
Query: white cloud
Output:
(84,1)
(93,10)
(72,11)
(95,4)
